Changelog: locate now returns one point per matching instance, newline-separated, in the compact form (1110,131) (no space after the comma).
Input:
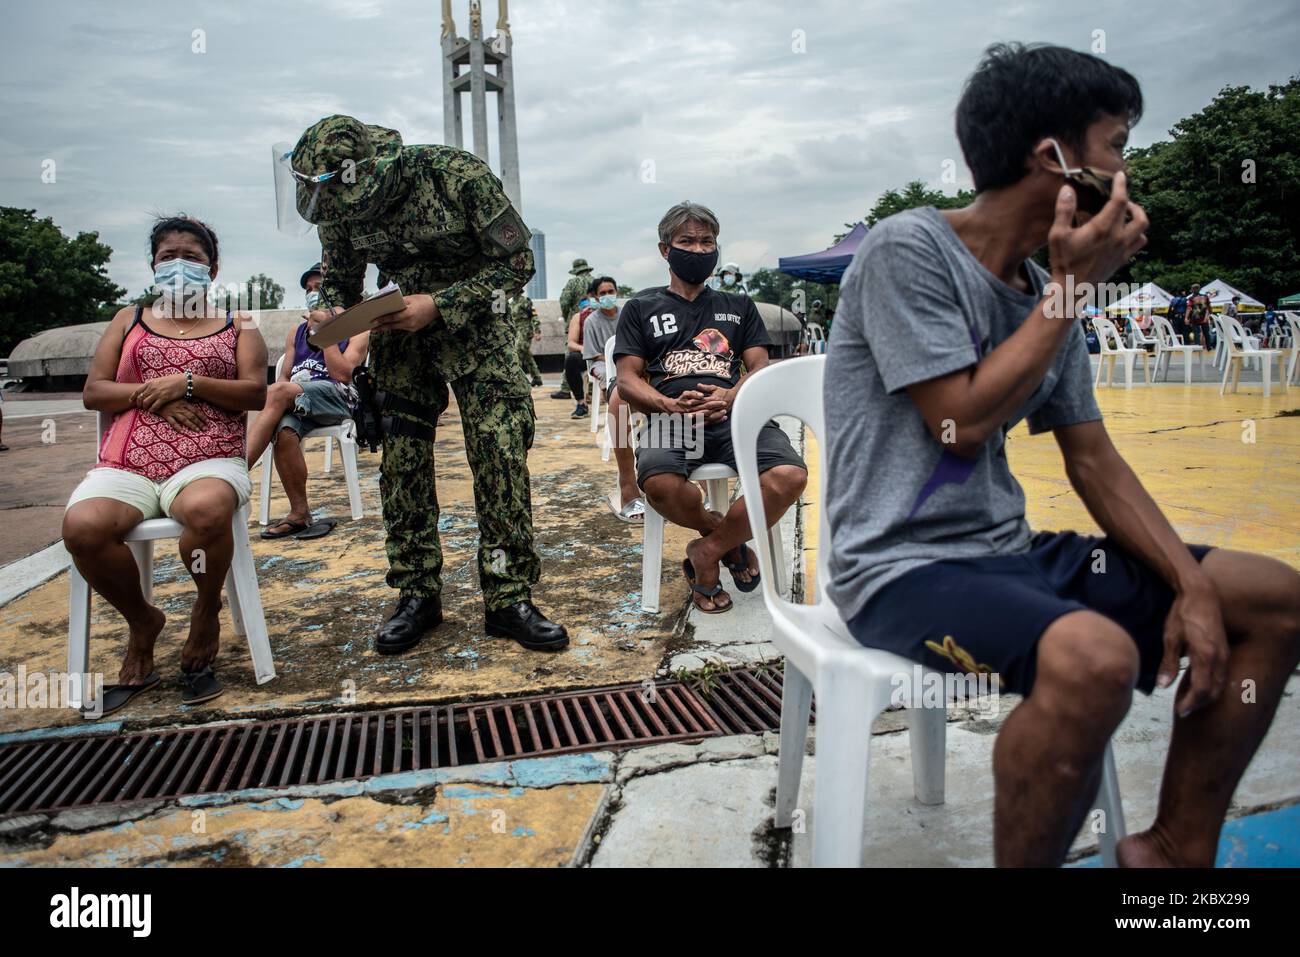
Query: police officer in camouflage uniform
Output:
(437,222)
(524,315)
(572,293)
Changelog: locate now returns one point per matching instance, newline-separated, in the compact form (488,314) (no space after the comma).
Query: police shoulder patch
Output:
(508,231)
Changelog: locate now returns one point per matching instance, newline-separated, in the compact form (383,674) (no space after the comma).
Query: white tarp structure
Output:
(1148,298)
(1221,294)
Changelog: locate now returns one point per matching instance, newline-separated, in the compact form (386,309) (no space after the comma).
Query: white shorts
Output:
(154,499)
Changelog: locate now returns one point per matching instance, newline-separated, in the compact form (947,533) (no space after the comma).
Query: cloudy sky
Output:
(788,118)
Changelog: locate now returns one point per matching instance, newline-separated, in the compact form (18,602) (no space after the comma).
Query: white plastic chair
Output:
(1238,336)
(1293,343)
(1237,352)
(853,684)
(1167,343)
(1113,349)
(345,433)
(715,478)
(241,591)
(609,426)
(1139,339)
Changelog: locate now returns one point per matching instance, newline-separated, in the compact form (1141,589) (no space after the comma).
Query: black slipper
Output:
(294,529)
(318,530)
(116,697)
(742,566)
(200,686)
(689,571)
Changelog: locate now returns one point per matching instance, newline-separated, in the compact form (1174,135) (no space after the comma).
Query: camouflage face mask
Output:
(1091,187)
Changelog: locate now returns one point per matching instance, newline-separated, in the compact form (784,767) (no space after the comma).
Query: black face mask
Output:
(691,268)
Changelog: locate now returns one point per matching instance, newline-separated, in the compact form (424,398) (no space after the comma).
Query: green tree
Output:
(781,289)
(912,196)
(264,292)
(47,279)
(1223,195)
(625,291)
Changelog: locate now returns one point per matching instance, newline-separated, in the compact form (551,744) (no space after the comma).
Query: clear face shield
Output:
(287,217)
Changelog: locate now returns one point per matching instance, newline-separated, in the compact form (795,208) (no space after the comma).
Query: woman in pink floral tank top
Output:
(178,379)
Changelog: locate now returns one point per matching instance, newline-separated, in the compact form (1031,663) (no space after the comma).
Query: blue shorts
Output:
(987,614)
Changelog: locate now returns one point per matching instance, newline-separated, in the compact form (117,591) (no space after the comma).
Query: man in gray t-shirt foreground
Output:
(601,326)
(946,335)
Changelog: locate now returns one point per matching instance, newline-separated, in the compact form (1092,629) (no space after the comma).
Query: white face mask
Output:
(313,299)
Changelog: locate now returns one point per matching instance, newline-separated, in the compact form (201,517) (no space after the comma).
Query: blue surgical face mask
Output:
(181,272)
(607,302)
(313,299)
(728,279)
(584,303)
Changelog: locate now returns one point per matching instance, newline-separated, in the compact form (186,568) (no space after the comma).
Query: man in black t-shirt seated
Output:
(690,341)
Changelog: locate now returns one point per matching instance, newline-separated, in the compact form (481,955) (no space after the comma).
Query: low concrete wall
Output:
(67,350)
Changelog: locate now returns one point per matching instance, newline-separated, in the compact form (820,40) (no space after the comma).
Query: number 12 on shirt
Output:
(669,327)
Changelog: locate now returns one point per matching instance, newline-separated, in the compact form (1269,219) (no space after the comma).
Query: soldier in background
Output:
(527,329)
(435,220)
(574,290)
(730,280)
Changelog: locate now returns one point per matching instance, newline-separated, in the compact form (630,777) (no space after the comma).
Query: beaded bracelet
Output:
(189,385)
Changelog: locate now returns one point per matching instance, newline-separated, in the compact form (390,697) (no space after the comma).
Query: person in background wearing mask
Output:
(601,326)
(690,342)
(1198,319)
(730,280)
(314,389)
(178,382)
(575,369)
(574,290)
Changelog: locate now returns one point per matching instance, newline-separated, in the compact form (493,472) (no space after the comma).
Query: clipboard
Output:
(357,319)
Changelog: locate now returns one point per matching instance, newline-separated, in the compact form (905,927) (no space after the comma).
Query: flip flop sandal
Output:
(633,512)
(742,566)
(318,530)
(294,529)
(199,686)
(116,697)
(689,570)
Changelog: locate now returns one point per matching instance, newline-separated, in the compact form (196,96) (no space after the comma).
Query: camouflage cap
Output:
(365,160)
(579,267)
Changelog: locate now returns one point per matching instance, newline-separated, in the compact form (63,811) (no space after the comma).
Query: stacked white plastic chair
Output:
(241,589)
(1238,348)
(853,684)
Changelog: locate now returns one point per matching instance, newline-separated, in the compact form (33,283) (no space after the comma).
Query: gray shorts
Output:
(320,404)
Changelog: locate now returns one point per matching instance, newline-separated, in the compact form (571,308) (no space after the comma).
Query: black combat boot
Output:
(528,626)
(415,615)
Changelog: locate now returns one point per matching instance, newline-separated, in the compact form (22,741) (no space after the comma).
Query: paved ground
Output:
(1226,469)
(324,599)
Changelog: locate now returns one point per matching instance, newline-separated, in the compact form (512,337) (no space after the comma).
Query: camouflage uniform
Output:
(572,293)
(436,220)
(524,316)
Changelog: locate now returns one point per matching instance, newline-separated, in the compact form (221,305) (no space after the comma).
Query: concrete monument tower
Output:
(477,54)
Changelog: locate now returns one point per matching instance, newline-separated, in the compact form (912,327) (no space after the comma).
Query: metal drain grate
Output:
(62,773)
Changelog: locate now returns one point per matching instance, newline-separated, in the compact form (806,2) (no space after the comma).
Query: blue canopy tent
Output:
(828,265)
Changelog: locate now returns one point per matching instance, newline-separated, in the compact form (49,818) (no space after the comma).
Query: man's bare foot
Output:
(200,648)
(706,576)
(1148,849)
(138,663)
